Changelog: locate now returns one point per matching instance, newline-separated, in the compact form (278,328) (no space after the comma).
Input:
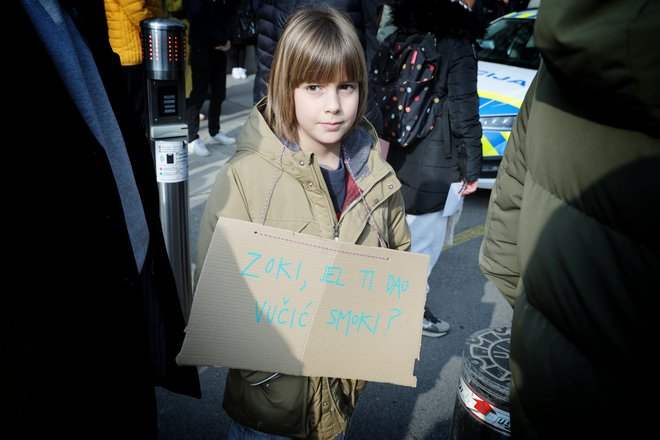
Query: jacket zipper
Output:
(328,202)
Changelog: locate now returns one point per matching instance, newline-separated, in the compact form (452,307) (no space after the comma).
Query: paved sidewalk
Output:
(202,170)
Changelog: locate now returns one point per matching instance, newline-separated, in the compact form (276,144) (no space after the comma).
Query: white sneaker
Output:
(242,72)
(197,147)
(202,116)
(221,138)
(236,73)
(432,326)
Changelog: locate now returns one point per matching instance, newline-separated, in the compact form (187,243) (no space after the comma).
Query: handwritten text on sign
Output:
(274,300)
(281,270)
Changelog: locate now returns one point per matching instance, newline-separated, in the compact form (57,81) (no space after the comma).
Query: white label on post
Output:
(171,161)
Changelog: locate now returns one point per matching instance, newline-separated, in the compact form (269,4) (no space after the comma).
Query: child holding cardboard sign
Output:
(307,161)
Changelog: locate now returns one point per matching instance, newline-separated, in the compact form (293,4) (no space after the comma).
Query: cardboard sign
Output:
(278,301)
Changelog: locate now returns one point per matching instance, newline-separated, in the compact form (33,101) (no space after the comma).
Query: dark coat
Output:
(210,24)
(427,170)
(86,336)
(571,236)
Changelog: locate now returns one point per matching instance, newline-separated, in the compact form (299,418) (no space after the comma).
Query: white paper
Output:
(454,199)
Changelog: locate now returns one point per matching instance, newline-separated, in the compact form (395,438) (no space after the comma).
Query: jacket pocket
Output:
(276,404)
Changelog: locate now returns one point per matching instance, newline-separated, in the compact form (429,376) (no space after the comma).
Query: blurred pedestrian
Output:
(319,74)
(210,40)
(373,11)
(256,4)
(124,17)
(571,232)
(244,35)
(238,51)
(174,9)
(443,157)
(90,301)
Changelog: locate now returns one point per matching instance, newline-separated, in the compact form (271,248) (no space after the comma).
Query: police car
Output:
(507,63)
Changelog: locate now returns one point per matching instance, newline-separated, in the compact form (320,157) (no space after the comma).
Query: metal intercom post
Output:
(164,58)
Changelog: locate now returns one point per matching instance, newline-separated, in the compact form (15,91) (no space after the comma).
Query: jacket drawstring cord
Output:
(269,194)
(262,219)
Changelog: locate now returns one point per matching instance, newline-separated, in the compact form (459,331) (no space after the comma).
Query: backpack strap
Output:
(444,111)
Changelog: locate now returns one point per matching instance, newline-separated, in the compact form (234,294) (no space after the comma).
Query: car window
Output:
(510,41)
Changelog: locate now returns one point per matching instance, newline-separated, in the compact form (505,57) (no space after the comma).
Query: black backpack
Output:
(403,82)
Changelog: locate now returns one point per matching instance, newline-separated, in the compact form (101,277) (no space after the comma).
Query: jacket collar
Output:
(256,136)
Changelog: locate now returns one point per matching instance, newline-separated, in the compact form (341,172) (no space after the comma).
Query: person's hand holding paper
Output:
(454,199)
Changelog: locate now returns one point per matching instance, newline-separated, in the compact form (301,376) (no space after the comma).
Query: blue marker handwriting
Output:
(350,321)
(283,314)
(281,269)
(347,322)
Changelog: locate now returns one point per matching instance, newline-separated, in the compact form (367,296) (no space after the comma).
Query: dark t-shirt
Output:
(336,182)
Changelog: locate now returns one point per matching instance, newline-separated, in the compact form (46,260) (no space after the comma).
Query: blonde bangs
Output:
(324,60)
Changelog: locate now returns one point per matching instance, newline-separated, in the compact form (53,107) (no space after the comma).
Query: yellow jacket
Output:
(124,17)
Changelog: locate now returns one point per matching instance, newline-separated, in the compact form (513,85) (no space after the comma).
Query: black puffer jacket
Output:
(427,169)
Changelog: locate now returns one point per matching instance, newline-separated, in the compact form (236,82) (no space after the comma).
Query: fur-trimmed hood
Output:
(444,18)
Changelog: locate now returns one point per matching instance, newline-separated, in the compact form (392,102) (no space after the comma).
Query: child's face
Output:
(325,112)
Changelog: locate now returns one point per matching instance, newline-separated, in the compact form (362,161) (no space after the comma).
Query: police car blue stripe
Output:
(488,107)
(497,141)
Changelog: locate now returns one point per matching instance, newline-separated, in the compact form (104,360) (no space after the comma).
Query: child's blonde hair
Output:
(318,45)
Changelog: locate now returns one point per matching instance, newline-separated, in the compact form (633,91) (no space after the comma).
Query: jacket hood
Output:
(606,53)
(443,18)
(257,137)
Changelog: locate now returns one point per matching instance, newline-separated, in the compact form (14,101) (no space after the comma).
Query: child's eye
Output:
(348,86)
(312,87)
